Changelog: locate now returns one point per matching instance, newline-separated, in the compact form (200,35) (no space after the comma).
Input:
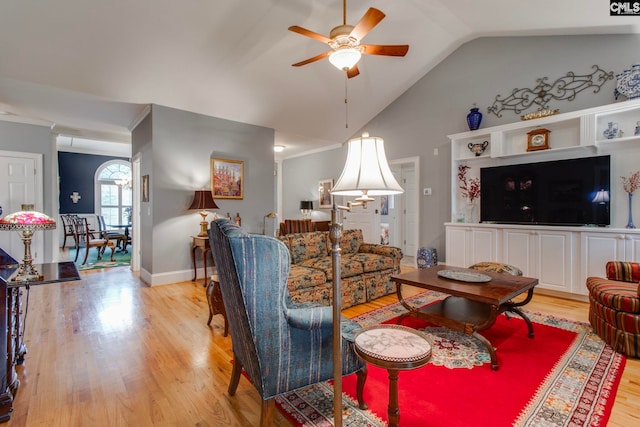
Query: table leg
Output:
(513,307)
(193,260)
(205,251)
(393,411)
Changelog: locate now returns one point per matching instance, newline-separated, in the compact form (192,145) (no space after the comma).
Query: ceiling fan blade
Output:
(309,33)
(387,50)
(310,60)
(370,19)
(353,71)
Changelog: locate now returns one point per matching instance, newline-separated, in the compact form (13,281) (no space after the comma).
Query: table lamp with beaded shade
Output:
(26,222)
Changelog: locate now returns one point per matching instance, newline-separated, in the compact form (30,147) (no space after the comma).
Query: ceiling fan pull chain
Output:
(346,103)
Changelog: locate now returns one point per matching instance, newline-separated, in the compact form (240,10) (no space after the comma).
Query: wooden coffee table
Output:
(470,306)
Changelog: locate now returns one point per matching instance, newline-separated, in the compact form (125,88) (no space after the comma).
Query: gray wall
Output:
(437,105)
(176,147)
(28,138)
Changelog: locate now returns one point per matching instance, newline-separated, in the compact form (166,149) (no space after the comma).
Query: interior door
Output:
(410,211)
(18,179)
(367,219)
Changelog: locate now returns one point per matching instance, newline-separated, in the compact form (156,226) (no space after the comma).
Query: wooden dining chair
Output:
(69,230)
(84,239)
(115,235)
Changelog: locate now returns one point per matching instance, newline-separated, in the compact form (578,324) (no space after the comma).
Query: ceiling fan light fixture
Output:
(345,58)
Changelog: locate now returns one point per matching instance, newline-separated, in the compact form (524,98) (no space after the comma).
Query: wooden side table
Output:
(205,247)
(216,304)
(394,348)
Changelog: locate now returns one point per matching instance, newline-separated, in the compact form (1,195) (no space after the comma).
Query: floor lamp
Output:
(366,174)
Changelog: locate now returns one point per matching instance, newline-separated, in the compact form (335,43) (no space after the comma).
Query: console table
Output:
(12,320)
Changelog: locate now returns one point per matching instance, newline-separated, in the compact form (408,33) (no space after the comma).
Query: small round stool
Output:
(427,257)
(394,348)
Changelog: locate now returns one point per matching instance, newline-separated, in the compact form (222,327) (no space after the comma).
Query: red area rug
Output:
(565,376)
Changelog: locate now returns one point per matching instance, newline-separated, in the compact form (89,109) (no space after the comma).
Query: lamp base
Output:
(203,229)
(26,273)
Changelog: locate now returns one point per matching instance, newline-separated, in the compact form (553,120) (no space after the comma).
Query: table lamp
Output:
(306,206)
(366,173)
(202,200)
(27,221)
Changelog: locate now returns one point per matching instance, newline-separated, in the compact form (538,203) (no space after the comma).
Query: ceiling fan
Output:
(344,41)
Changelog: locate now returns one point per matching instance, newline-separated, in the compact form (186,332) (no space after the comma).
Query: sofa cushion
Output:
(302,277)
(348,267)
(622,296)
(373,262)
(304,246)
(350,242)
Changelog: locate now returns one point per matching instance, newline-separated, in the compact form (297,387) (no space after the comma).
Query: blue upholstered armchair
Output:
(280,346)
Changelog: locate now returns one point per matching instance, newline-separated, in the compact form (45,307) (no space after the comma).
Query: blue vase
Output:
(630,221)
(474,118)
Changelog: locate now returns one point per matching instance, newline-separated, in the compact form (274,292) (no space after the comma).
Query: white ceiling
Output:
(89,68)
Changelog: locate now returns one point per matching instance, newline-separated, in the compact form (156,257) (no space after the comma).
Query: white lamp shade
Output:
(345,58)
(366,170)
(601,197)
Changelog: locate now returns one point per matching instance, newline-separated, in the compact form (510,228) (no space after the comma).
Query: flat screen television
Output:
(560,192)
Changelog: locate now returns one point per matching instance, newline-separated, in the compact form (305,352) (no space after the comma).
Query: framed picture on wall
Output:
(325,198)
(145,188)
(227,178)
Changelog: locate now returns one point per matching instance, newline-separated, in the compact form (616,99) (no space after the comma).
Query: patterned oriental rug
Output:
(93,263)
(565,376)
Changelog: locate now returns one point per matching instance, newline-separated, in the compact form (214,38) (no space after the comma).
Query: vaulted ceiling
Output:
(89,68)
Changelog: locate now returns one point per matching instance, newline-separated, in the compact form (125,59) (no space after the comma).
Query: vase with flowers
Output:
(631,184)
(470,190)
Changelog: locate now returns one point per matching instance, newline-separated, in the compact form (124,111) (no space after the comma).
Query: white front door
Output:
(18,186)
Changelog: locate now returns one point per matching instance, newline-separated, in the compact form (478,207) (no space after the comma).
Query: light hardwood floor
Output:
(110,351)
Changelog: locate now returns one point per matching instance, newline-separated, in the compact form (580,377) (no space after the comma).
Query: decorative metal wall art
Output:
(564,88)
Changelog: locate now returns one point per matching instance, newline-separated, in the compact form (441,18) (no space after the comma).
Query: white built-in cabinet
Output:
(470,245)
(560,257)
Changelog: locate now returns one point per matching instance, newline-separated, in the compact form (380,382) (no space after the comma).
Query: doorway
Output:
(402,221)
(21,183)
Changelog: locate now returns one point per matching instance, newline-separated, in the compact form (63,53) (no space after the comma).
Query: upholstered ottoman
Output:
(614,307)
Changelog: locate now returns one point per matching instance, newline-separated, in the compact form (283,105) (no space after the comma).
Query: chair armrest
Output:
(309,318)
(320,317)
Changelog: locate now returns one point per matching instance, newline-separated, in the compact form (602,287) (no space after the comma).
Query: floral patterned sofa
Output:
(365,268)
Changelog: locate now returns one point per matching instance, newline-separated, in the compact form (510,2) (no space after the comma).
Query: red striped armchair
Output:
(614,306)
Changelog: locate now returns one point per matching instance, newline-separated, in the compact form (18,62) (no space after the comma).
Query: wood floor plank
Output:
(111,351)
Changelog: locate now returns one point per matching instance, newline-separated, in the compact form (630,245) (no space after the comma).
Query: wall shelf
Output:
(573,134)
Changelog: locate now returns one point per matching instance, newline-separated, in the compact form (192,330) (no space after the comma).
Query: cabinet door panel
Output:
(517,251)
(456,247)
(597,249)
(632,248)
(483,246)
(555,261)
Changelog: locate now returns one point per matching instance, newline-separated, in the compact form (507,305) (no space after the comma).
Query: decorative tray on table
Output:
(464,276)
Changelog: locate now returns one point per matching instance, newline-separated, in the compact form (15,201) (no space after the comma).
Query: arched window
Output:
(113,192)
